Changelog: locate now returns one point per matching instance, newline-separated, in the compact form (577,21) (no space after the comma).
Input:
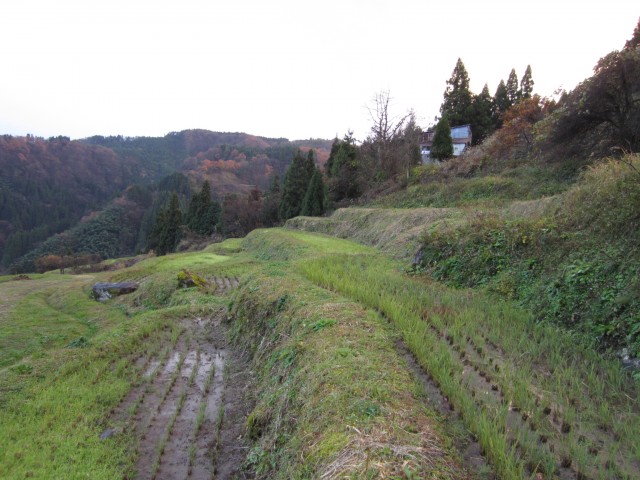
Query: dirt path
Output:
(189,409)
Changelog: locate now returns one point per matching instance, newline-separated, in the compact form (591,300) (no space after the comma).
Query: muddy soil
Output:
(189,409)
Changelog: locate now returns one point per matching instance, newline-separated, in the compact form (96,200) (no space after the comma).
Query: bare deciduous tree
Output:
(385,130)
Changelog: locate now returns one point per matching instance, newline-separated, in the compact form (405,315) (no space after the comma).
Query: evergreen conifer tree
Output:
(166,232)
(274,185)
(270,214)
(457,104)
(156,230)
(500,103)
(482,123)
(295,186)
(203,213)
(343,169)
(512,87)
(313,203)
(526,84)
(442,147)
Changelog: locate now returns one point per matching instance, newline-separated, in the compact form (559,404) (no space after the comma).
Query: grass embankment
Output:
(334,398)
(489,187)
(575,263)
(537,400)
(396,232)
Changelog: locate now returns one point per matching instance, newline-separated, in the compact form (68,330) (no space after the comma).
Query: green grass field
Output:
(321,319)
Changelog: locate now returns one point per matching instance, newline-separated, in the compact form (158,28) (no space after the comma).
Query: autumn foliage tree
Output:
(48,262)
(241,213)
(516,135)
(382,151)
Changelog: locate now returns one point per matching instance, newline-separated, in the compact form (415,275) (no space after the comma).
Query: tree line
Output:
(301,193)
(483,112)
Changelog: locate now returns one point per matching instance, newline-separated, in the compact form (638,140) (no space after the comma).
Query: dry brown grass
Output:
(394,231)
(378,451)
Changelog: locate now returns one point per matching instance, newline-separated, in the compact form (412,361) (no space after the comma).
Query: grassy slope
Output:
(485,189)
(335,398)
(397,232)
(576,263)
(569,393)
(320,317)
(571,257)
(559,408)
(56,396)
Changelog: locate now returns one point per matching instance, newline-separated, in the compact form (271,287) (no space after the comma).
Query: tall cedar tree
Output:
(343,169)
(167,231)
(409,145)
(512,87)
(482,123)
(500,104)
(457,104)
(526,84)
(270,212)
(203,213)
(442,147)
(313,203)
(296,182)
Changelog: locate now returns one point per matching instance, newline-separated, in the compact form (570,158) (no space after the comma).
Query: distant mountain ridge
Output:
(49,185)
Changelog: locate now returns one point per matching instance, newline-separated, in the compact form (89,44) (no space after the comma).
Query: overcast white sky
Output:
(280,68)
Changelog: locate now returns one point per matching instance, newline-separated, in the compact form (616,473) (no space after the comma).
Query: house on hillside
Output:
(460,137)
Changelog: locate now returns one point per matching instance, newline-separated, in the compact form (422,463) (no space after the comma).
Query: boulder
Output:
(187,279)
(103,291)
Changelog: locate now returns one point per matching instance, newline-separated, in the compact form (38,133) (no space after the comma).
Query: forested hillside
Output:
(48,185)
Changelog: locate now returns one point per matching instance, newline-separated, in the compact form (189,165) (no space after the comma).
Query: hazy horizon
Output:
(281,68)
